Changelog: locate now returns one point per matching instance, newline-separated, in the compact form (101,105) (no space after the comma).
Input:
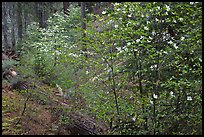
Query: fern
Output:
(6,64)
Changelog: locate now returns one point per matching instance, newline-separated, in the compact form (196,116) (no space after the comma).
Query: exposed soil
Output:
(36,120)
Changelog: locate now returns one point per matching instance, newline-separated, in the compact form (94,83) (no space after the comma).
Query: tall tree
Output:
(46,12)
(26,11)
(19,20)
(13,30)
(4,25)
(83,17)
(41,13)
(66,7)
(89,6)
(97,6)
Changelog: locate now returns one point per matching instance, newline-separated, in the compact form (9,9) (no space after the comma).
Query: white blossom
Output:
(124,11)
(172,93)
(104,12)
(72,54)
(135,49)
(118,48)
(141,37)
(138,40)
(128,43)
(153,66)
(94,78)
(176,47)
(129,15)
(181,19)
(167,7)
(116,4)
(58,52)
(189,98)
(155,96)
(134,118)
(170,42)
(125,48)
(146,28)
(116,26)
(165,52)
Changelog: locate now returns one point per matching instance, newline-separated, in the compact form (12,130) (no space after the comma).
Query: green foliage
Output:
(7,64)
(8,123)
(134,70)
(140,41)
(50,47)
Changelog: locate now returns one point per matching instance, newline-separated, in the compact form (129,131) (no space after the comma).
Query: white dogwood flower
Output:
(155,96)
(189,98)
(104,12)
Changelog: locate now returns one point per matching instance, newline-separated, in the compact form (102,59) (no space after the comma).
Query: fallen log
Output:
(82,124)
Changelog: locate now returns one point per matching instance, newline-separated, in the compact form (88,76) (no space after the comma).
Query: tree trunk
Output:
(41,13)
(45,14)
(13,38)
(79,4)
(36,12)
(26,19)
(89,6)
(4,25)
(13,22)
(83,16)
(66,7)
(19,20)
(97,6)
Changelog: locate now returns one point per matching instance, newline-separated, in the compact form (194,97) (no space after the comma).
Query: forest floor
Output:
(36,120)
(41,113)
(31,107)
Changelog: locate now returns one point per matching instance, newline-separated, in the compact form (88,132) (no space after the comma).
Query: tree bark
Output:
(13,30)
(89,6)
(97,7)
(83,16)
(19,20)
(41,14)
(66,7)
(46,12)
(4,25)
